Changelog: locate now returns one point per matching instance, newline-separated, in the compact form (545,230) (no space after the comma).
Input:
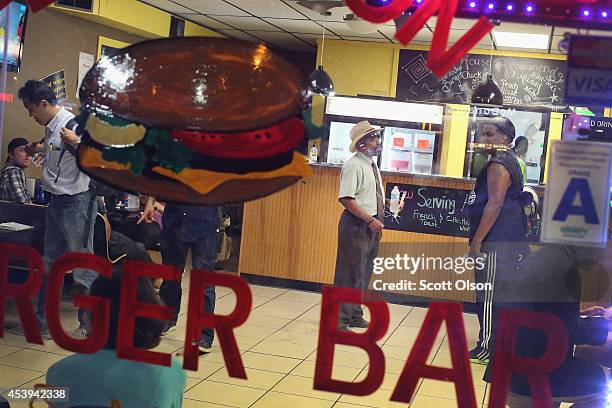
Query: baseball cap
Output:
(17,142)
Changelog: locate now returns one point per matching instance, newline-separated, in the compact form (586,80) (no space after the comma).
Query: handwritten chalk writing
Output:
(522,80)
(443,202)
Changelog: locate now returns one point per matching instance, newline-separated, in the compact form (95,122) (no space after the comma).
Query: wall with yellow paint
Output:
(135,17)
(371,69)
(194,30)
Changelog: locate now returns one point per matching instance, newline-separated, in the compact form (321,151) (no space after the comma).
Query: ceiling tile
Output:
(312,38)
(212,7)
(246,23)
(343,29)
(423,35)
(283,40)
(458,23)
(600,33)
(277,37)
(555,43)
(239,35)
(526,50)
(367,39)
(206,21)
(563,30)
(296,26)
(523,28)
(425,43)
(337,13)
(267,8)
(167,5)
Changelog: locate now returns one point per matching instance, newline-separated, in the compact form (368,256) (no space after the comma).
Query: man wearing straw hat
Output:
(361,223)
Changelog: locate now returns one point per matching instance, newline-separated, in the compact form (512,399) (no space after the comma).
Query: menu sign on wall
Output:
(430,210)
(523,81)
(438,211)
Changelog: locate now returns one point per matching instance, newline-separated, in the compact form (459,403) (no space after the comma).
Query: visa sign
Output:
(589,71)
(576,206)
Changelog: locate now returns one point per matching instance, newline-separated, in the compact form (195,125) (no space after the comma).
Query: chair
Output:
(102,232)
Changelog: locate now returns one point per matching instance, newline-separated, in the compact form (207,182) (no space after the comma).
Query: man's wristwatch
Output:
(371,221)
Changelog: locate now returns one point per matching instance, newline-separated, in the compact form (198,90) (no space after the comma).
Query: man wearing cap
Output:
(361,223)
(12,179)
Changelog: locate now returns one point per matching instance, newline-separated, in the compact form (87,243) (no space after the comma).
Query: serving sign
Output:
(589,71)
(576,207)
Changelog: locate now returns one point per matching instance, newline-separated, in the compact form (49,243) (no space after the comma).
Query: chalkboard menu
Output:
(438,211)
(523,81)
(431,210)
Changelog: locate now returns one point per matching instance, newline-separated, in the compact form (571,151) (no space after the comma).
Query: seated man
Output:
(119,244)
(548,281)
(100,378)
(12,178)
(597,354)
(148,231)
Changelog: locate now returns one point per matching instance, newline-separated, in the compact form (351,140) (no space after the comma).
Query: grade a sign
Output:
(576,202)
(589,71)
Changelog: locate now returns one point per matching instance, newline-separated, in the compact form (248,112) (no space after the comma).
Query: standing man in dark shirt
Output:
(12,179)
(188,227)
(498,225)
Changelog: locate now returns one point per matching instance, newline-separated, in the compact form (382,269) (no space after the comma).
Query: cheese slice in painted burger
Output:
(114,136)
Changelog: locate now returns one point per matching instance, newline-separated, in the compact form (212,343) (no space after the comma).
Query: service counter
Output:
(292,235)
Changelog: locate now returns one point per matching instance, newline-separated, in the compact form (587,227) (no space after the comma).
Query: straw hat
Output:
(358,132)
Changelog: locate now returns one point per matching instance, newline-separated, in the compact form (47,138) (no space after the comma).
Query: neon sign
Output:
(440,60)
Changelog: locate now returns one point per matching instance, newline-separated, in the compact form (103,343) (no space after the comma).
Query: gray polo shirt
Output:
(71,180)
(357,181)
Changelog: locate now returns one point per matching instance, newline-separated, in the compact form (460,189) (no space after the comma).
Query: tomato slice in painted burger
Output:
(260,143)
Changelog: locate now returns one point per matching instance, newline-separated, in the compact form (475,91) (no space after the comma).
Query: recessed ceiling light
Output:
(521,40)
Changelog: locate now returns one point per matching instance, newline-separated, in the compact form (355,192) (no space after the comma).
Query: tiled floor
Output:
(278,345)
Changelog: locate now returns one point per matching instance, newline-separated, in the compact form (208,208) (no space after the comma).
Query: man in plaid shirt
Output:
(12,178)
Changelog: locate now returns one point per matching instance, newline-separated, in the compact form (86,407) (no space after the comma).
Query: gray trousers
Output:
(357,248)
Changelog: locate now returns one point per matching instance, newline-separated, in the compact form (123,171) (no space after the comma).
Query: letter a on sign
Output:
(586,207)
(576,203)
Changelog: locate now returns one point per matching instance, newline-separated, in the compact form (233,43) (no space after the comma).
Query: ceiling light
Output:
(521,40)
(321,83)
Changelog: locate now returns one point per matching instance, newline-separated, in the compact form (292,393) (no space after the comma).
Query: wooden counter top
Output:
(293,234)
